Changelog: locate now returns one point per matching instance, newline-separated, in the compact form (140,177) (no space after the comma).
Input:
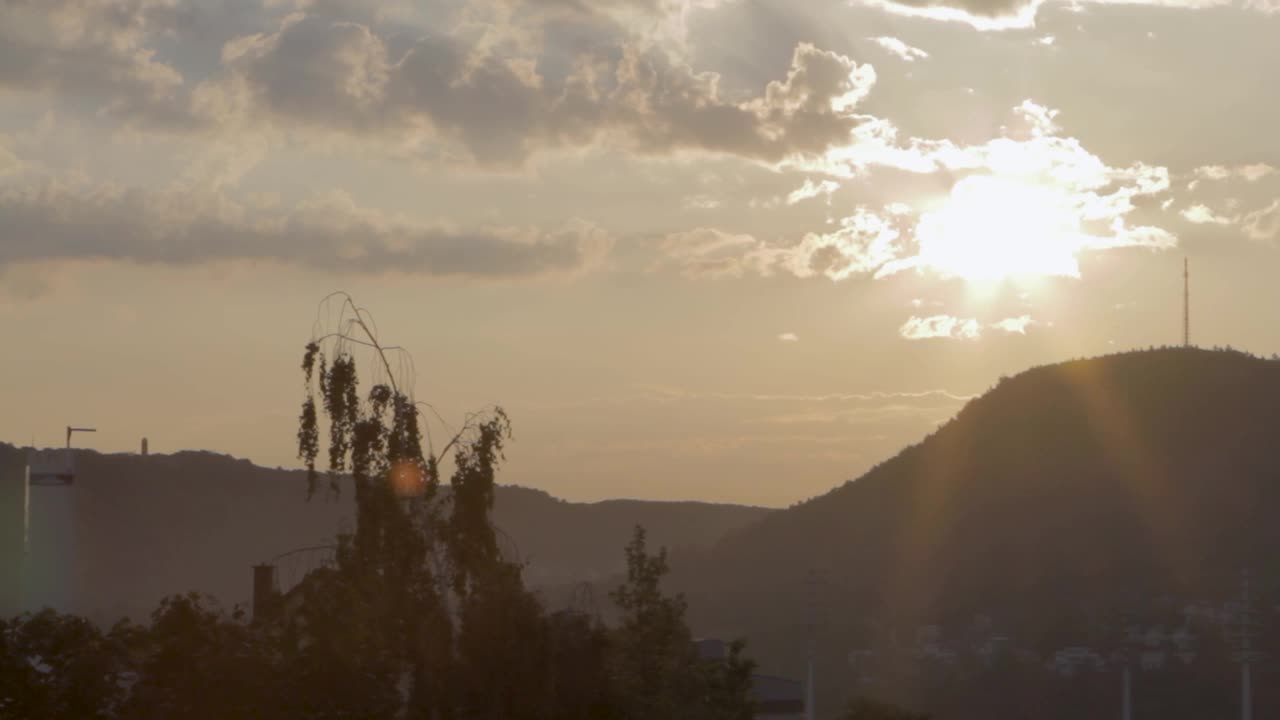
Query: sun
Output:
(991,230)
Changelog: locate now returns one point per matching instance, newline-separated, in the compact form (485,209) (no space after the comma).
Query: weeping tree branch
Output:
(410,559)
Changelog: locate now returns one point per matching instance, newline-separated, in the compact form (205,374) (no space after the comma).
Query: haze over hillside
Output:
(145,527)
(1065,499)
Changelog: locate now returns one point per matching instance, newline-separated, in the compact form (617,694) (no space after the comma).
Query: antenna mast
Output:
(1186,303)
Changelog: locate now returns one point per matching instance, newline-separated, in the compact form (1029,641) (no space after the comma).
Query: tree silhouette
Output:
(656,665)
(55,665)
(418,563)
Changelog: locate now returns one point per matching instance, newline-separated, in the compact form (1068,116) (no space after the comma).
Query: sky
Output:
(725,250)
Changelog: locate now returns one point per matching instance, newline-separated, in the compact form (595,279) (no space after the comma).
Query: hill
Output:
(134,529)
(1060,505)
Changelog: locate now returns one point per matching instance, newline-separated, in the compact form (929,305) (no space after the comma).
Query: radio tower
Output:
(1186,303)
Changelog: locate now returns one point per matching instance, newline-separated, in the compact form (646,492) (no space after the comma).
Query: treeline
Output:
(320,656)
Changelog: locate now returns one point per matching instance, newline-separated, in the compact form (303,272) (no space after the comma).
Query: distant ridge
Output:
(150,526)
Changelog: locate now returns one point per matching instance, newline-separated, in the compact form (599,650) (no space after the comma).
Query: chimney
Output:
(264,591)
(144,447)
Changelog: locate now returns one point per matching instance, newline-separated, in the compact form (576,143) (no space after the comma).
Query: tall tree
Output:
(658,672)
(421,562)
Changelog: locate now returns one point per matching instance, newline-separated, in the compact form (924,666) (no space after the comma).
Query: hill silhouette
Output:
(145,527)
(1065,498)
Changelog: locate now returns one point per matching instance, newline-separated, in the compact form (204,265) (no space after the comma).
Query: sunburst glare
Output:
(993,229)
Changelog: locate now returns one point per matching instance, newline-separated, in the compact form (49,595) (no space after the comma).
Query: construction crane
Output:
(76,430)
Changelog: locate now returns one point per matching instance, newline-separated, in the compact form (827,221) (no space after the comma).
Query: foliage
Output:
(54,665)
(657,669)
(193,662)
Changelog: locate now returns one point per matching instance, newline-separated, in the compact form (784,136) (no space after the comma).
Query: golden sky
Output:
(733,250)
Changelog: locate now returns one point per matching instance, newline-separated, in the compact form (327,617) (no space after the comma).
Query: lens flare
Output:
(407,479)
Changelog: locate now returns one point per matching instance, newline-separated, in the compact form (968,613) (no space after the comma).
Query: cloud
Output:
(981,14)
(810,189)
(701,202)
(1013,14)
(1263,224)
(1212,172)
(855,416)
(671,10)
(589,7)
(1201,215)
(1017,325)
(712,253)
(864,241)
(919,395)
(52,219)
(499,106)
(1218,173)
(490,91)
(900,49)
(1023,206)
(1018,206)
(940,326)
(1255,172)
(95,50)
(788,337)
(659,394)
(1041,119)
